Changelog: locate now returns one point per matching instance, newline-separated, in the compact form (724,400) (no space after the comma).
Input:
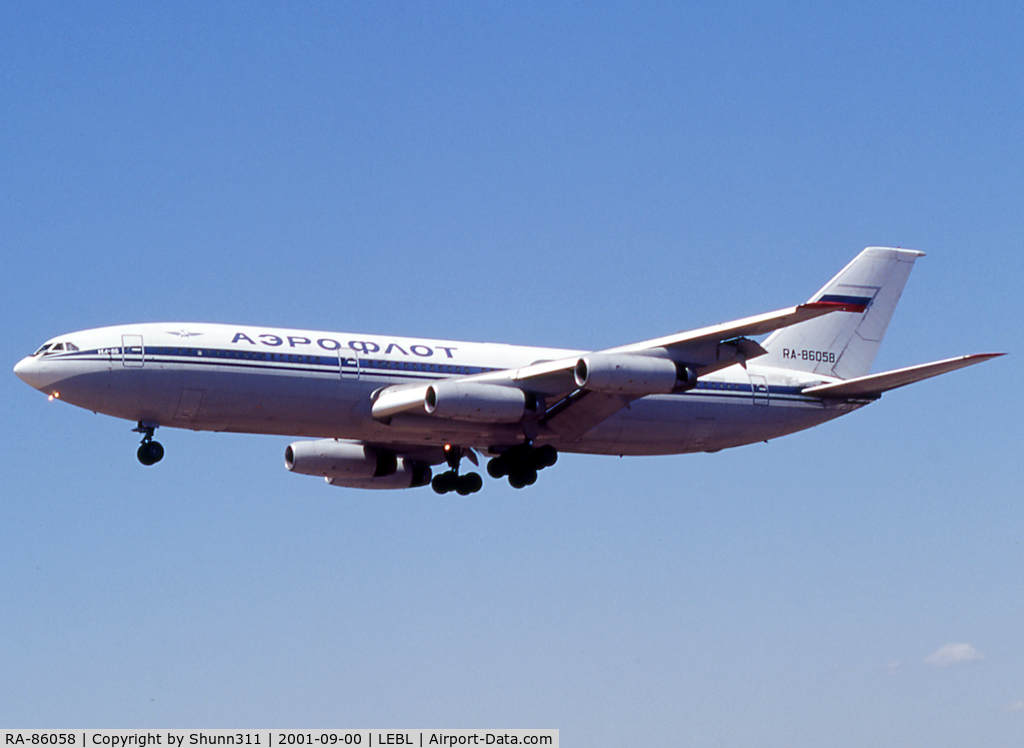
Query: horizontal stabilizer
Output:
(873,385)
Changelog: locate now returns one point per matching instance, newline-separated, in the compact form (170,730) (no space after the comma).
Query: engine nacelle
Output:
(408,474)
(628,374)
(477,402)
(394,400)
(341,460)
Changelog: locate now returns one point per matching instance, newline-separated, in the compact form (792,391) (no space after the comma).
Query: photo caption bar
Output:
(272,738)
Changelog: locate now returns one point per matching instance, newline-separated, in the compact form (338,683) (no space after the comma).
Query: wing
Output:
(572,395)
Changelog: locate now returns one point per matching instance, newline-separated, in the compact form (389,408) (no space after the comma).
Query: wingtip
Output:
(979,358)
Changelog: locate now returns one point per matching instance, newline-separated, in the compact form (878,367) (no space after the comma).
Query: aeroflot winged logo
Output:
(183,333)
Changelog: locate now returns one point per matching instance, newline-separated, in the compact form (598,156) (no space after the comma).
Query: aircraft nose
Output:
(29,372)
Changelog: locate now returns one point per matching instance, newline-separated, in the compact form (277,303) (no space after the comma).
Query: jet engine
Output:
(627,374)
(397,399)
(354,465)
(478,402)
(333,458)
(408,474)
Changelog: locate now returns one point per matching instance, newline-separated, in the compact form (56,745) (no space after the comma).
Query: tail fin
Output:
(844,345)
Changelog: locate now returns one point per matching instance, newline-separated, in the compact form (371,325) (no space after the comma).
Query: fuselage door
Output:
(759,386)
(348,362)
(133,353)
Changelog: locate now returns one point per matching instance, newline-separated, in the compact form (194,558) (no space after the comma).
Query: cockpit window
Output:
(48,348)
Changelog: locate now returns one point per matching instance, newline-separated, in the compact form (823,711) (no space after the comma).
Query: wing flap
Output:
(584,411)
(873,385)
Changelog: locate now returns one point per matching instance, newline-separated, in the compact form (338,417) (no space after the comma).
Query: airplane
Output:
(381,412)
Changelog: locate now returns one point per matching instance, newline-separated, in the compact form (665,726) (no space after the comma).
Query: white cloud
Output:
(1014,706)
(952,654)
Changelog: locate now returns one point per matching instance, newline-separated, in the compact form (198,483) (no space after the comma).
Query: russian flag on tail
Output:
(847,303)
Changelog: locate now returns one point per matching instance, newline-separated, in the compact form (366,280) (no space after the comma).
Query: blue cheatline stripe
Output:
(384,369)
(268,360)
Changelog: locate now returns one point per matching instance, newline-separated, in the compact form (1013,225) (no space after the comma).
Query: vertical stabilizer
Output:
(844,344)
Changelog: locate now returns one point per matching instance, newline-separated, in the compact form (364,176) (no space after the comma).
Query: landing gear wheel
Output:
(449,481)
(522,478)
(150,452)
(521,463)
(546,456)
(443,482)
(469,483)
(497,468)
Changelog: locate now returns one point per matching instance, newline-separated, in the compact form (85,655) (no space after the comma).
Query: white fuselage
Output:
(215,377)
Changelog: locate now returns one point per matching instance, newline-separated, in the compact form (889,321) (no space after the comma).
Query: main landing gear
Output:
(521,463)
(150,452)
(450,480)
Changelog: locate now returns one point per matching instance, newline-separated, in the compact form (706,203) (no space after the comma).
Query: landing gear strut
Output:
(450,480)
(150,452)
(521,463)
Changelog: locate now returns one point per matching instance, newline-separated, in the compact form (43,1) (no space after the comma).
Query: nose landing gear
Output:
(150,452)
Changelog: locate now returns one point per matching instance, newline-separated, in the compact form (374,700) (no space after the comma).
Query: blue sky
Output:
(543,174)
